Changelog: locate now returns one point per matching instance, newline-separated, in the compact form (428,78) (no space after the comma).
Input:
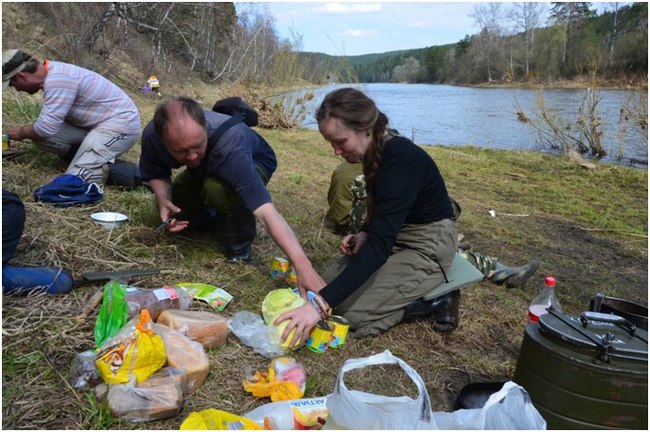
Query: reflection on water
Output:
(457,116)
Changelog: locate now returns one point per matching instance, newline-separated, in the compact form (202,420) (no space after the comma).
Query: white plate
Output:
(109,219)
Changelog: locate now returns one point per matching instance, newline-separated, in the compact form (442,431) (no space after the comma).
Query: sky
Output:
(353,28)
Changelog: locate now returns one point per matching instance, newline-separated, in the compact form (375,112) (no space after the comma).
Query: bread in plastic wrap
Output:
(136,403)
(183,353)
(207,328)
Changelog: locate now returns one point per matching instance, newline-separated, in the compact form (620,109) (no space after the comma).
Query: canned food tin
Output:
(279,268)
(5,141)
(320,337)
(292,278)
(340,331)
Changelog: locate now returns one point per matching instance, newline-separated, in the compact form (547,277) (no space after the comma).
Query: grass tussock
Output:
(588,228)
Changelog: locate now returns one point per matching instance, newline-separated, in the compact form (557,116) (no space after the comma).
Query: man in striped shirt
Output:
(85,119)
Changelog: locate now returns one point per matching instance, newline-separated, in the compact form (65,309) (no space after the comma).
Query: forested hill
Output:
(217,43)
(514,46)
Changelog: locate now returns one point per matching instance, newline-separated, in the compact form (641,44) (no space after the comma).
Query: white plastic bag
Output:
(353,409)
(509,408)
(252,331)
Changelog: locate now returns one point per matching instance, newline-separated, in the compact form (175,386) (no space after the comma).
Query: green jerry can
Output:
(586,372)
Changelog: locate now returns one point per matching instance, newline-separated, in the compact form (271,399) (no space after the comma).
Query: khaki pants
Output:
(95,148)
(410,272)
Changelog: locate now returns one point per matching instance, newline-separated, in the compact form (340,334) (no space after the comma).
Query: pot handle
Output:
(586,317)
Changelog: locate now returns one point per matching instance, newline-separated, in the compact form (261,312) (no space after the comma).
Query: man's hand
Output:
(303,319)
(167,210)
(19,133)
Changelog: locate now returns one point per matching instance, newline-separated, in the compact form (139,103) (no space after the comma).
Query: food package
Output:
(213,419)
(166,376)
(183,353)
(135,350)
(113,313)
(275,304)
(217,298)
(299,414)
(138,403)
(158,300)
(207,328)
(285,380)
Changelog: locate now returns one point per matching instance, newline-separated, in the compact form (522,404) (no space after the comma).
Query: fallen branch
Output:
(91,304)
(614,230)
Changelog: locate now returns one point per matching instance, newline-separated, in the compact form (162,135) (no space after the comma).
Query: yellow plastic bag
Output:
(135,350)
(285,380)
(213,419)
(275,304)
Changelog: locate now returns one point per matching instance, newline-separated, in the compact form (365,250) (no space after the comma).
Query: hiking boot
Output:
(443,309)
(514,277)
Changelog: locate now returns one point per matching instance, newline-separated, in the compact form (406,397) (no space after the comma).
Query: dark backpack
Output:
(235,105)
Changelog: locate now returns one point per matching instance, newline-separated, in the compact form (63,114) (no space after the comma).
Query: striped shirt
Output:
(84,99)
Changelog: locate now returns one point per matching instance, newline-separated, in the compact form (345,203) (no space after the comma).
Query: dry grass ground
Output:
(587,228)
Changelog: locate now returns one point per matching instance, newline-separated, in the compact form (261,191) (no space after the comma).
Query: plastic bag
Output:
(300,414)
(136,350)
(353,409)
(284,380)
(275,304)
(157,300)
(251,330)
(83,372)
(113,313)
(184,353)
(212,419)
(509,408)
(135,403)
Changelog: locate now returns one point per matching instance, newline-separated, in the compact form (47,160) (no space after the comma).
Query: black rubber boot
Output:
(443,309)
(236,233)
(125,174)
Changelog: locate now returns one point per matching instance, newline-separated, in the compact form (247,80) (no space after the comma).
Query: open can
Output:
(279,268)
(340,331)
(320,337)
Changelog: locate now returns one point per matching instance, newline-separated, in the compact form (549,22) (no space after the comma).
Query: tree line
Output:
(218,43)
(514,46)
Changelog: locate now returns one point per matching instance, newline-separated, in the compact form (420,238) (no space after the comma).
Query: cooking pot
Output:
(586,372)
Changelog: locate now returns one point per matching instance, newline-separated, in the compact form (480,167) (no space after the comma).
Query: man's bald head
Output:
(176,114)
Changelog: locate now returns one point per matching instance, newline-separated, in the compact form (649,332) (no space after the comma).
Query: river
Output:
(487,117)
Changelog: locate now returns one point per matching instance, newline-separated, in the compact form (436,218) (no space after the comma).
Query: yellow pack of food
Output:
(135,350)
(213,419)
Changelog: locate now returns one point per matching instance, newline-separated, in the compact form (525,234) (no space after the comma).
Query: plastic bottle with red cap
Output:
(544,300)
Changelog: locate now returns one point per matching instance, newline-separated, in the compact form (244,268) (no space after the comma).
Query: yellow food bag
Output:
(275,304)
(135,350)
(213,419)
(284,380)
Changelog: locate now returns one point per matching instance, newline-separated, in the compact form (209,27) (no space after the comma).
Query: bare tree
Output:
(489,16)
(612,39)
(527,16)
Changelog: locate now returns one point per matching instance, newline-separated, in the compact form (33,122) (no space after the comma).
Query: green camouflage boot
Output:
(358,211)
(512,277)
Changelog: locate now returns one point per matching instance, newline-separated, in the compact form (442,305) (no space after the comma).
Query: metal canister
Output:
(340,331)
(5,141)
(279,268)
(320,337)
(292,278)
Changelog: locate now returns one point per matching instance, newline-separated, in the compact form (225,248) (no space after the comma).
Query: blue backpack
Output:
(68,190)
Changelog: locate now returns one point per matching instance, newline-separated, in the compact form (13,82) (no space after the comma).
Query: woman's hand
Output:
(351,243)
(303,319)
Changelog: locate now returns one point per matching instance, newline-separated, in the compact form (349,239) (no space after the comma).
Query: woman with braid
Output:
(408,241)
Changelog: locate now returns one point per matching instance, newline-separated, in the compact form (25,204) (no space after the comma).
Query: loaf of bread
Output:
(164,376)
(207,328)
(136,403)
(183,353)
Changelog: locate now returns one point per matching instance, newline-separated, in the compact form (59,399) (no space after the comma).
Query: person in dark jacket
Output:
(409,237)
(22,280)
(224,184)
